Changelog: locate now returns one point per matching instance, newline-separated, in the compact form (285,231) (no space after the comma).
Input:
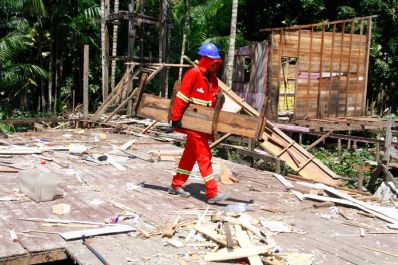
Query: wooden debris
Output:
(144,232)
(230,254)
(361,232)
(61,209)
(199,221)
(13,235)
(284,181)
(175,242)
(98,231)
(323,205)
(128,144)
(228,235)
(245,242)
(211,234)
(272,210)
(367,214)
(60,221)
(225,174)
(171,228)
(380,251)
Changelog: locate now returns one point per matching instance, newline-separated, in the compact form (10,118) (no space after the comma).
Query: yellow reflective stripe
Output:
(183,97)
(183,171)
(201,102)
(208,178)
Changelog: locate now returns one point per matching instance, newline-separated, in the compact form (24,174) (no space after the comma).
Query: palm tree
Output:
(231,50)
(19,75)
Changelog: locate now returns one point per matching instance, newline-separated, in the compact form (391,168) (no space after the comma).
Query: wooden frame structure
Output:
(321,69)
(137,23)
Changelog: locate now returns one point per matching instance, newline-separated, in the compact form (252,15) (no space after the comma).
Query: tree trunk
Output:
(184,38)
(114,46)
(163,45)
(50,76)
(231,50)
(105,48)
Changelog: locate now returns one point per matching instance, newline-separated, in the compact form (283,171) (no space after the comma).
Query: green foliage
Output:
(343,166)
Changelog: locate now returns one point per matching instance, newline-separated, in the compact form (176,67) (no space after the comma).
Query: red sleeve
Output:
(181,100)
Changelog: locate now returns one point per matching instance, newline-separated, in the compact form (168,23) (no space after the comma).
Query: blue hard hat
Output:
(210,50)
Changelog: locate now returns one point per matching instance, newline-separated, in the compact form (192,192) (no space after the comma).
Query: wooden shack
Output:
(309,71)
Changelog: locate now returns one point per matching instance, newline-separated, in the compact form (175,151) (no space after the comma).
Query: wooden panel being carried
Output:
(199,118)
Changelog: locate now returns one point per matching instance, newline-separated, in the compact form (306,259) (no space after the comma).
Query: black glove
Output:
(176,124)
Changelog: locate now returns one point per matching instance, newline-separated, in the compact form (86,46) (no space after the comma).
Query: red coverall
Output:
(200,88)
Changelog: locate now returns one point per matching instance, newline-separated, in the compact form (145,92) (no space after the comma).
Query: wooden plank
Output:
(323,137)
(349,64)
(368,44)
(245,242)
(97,231)
(211,234)
(199,118)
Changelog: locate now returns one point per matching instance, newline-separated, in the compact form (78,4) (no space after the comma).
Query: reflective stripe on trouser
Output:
(196,150)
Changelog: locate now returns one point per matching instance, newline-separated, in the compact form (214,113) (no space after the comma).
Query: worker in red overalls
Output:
(199,86)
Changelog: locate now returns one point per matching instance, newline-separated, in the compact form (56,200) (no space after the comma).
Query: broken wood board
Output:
(245,242)
(211,234)
(97,231)
(237,253)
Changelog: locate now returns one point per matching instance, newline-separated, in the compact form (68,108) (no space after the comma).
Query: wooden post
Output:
(355,146)
(388,141)
(131,31)
(300,138)
(339,147)
(163,45)
(85,84)
(361,177)
(377,152)
(277,166)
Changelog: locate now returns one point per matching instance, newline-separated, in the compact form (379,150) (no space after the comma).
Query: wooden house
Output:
(309,71)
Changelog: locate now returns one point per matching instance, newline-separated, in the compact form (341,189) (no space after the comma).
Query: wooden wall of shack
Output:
(329,75)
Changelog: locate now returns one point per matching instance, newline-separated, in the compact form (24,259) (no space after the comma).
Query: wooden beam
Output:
(199,118)
(296,27)
(245,242)
(222,138)
(326,135)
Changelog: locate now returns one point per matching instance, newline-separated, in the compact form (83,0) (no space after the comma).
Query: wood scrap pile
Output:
(320,192)
(219,235)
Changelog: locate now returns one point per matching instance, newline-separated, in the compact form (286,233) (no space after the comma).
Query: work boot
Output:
(179,191)
(218,198)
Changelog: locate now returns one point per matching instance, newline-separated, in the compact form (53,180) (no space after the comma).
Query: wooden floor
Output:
(330,241)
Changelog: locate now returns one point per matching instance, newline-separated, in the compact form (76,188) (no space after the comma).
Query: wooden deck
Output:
(330,241)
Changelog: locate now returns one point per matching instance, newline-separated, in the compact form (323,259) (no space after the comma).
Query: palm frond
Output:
(35,6)
(91,12)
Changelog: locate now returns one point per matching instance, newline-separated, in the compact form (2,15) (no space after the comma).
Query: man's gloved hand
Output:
(176,124)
